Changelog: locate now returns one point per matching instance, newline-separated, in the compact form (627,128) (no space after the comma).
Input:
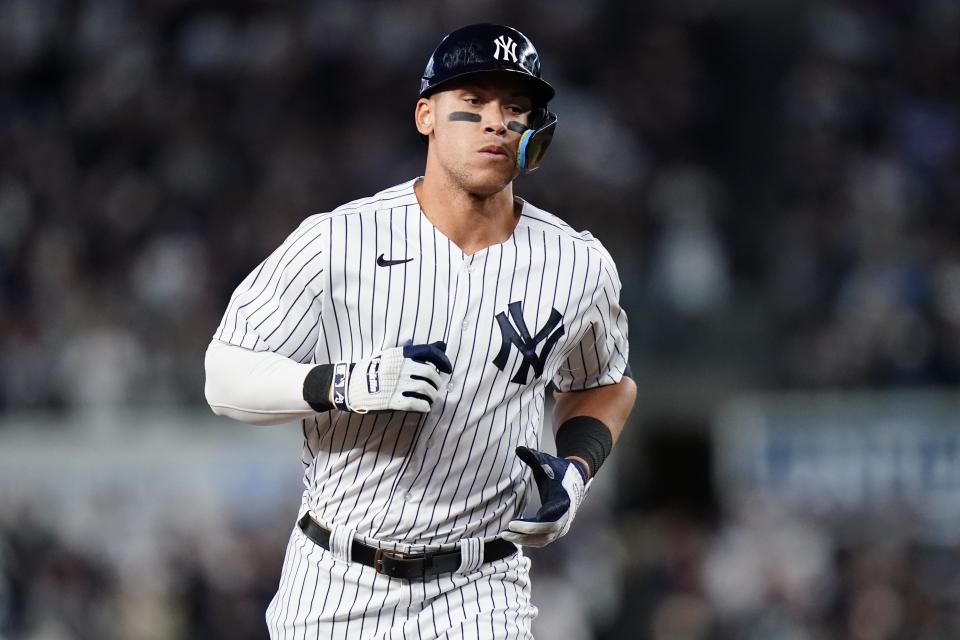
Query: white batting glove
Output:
(407,378)
(563,485)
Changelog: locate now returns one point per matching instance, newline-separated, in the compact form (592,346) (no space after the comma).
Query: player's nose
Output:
(494,119)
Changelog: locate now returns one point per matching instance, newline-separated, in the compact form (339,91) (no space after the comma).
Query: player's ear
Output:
(424,116)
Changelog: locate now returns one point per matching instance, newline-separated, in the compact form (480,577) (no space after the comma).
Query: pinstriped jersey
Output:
(541,307)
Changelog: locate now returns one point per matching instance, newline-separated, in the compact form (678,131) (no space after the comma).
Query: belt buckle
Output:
(378,559)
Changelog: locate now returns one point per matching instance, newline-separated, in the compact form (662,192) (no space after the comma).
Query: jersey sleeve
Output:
(278,306)
(601,356)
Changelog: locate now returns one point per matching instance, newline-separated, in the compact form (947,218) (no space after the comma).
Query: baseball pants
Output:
(323,596)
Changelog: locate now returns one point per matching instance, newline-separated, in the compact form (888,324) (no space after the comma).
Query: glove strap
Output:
(341,375)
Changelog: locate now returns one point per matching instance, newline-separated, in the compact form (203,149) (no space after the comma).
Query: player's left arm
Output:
(594,398)
(609,405)
(586,425)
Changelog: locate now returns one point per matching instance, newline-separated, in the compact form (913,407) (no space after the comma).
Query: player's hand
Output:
(407,378)
(562,484)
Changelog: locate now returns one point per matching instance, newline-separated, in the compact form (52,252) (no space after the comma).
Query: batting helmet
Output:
(486,48)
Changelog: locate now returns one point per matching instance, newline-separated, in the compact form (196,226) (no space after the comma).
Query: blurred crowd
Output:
(777,182)
(780,174)
(199,584)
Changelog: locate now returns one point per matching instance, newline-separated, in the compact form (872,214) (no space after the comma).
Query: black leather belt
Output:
(407,566)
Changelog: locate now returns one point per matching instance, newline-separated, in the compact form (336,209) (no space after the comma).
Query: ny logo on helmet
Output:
(527,345)
(507,46)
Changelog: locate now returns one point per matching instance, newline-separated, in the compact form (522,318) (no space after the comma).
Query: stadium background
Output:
(777,181)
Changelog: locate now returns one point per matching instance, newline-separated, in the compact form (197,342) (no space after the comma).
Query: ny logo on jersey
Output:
(518,335)
(507,46)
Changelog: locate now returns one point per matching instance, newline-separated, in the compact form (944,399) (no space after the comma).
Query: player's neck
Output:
(471,222)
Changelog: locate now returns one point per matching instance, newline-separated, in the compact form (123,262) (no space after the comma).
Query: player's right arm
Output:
(257,387)
(260,364)
(261,387)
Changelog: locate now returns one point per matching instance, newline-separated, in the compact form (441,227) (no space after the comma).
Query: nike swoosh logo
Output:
(382,262)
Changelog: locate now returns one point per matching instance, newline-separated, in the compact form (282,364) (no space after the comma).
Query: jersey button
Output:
(466,324)
(408,496)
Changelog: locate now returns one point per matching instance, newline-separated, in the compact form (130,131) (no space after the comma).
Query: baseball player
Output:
(415,334)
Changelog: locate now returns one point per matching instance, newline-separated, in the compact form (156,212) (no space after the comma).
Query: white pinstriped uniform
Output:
(408,481)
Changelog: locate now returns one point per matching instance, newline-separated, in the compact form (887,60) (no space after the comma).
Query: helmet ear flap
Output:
(535,140)
(538,117)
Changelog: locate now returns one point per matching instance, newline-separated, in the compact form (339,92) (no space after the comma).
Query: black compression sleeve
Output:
(587,438)
(316,387)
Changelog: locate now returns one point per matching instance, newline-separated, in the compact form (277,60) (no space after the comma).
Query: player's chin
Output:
(488,180)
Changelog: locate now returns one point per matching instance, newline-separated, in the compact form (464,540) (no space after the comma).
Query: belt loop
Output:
(471,555)
(341,542)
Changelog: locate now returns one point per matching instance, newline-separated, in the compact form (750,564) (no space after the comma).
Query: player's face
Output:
(476,129)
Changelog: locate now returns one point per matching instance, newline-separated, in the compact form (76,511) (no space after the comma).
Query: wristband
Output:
(587,438)
(340,371)
(316,387)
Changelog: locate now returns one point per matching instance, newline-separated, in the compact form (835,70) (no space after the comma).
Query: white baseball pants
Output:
(323,596)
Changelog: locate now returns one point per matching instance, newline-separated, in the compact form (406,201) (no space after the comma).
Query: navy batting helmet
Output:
(481,48)
(486,48)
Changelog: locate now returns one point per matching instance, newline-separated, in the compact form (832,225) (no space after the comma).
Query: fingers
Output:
(528,541)
(531,527)
(419,370)
(418,393)
(429,353)
(541,470)
(421,388)
(532,534)
(529,456)
(445,365)
(553,511)
(413,404)
(438,357)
